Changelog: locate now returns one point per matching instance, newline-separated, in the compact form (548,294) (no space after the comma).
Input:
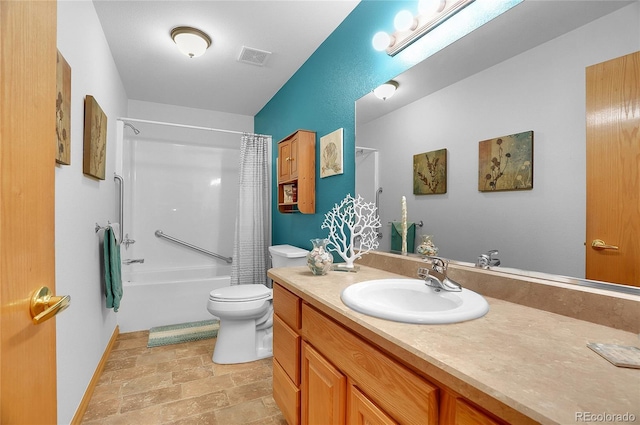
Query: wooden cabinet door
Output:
(362,411)
(284,161)
(323,390)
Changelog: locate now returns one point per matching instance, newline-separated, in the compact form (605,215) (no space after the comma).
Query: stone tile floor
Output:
(179,385)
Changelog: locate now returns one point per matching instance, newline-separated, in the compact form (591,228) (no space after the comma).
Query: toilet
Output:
(246,313)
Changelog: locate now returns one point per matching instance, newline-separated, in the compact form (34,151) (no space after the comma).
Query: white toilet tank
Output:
(287,256)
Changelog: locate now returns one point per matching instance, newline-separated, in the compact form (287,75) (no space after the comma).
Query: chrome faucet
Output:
(126,242)
(486,260)
(439,267)
(131,261)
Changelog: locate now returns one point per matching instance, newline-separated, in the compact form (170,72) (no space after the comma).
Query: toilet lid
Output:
(240,293)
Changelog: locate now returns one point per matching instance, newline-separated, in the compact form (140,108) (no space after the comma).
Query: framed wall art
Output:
(63,111)
(430,173)
(506,163)
(95,139)
(331,158)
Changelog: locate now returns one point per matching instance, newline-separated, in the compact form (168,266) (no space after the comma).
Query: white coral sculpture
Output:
(352,222)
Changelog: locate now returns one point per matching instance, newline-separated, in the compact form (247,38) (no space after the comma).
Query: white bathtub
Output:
(167,297)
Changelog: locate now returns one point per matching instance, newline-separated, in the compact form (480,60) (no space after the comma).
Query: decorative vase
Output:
(319,259)
(426,246)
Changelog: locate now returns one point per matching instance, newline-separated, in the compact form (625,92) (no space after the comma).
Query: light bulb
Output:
(430,7)
(403,21)
(381,40)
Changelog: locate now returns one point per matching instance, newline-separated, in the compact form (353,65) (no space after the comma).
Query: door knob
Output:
(44,305)
(600,244)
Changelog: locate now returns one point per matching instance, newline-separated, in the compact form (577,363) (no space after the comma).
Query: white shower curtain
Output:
(250,248)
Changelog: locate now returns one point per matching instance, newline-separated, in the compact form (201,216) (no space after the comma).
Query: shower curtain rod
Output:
(195,127)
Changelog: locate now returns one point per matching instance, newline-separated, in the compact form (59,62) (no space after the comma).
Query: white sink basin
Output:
(412,301)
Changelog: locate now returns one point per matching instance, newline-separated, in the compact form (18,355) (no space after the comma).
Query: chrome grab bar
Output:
(121,218)
(159,234)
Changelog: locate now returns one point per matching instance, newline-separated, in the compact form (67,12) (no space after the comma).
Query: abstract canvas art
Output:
(95,139)
(506,163)
(430,173)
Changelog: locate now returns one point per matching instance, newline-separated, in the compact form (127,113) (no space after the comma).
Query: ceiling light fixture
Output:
(386,90)
(191,41)
(431,13)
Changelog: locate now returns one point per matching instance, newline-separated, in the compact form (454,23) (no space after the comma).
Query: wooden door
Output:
(613,171)
(323,390)
(362,411)
(27,157)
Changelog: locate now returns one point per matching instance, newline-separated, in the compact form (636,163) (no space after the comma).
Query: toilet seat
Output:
(240,293)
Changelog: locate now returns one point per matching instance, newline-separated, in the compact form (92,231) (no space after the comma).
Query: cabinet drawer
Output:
(287,306)
(286,395)
(286,348)
(404,395)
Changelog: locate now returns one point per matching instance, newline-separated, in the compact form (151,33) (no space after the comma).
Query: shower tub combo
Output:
(171,296)
(182,181)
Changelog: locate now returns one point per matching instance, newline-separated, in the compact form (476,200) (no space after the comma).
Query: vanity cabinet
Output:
(326,374)
(287,320)
(297,173)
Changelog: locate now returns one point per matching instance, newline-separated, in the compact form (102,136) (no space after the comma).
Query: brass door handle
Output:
(600,244)
(44,305)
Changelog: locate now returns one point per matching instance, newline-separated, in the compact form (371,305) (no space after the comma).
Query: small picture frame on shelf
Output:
(288,193)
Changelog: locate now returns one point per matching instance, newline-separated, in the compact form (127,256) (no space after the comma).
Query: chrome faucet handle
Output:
(126,241)
(438,264)
(486,260)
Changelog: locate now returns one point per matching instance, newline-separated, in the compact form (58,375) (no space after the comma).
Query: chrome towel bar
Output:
(159,234)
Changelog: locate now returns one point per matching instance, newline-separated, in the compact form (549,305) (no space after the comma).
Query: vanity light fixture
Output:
(409,28)
(386,90)
(191,41)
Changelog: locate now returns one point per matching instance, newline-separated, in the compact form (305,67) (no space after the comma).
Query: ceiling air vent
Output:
(253,56)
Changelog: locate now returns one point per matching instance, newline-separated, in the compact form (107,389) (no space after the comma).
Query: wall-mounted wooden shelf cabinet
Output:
(297,173)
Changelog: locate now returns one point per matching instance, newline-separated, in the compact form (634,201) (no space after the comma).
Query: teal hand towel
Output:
(112,271)
(396,236)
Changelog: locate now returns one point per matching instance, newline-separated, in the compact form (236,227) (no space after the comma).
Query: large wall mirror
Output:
(523,71)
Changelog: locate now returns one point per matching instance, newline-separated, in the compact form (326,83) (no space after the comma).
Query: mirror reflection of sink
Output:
(412,301)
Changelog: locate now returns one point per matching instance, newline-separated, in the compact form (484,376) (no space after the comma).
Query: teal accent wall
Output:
(321,95)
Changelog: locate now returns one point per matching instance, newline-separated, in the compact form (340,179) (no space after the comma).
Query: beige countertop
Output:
(530,360)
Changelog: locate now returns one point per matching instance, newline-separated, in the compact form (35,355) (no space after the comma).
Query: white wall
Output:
(542,90)
(84,329)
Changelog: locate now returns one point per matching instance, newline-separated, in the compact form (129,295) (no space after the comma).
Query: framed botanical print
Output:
(506,163)
(95,139)
(430,173)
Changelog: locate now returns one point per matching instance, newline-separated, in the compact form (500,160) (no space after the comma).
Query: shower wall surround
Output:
(185,184)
